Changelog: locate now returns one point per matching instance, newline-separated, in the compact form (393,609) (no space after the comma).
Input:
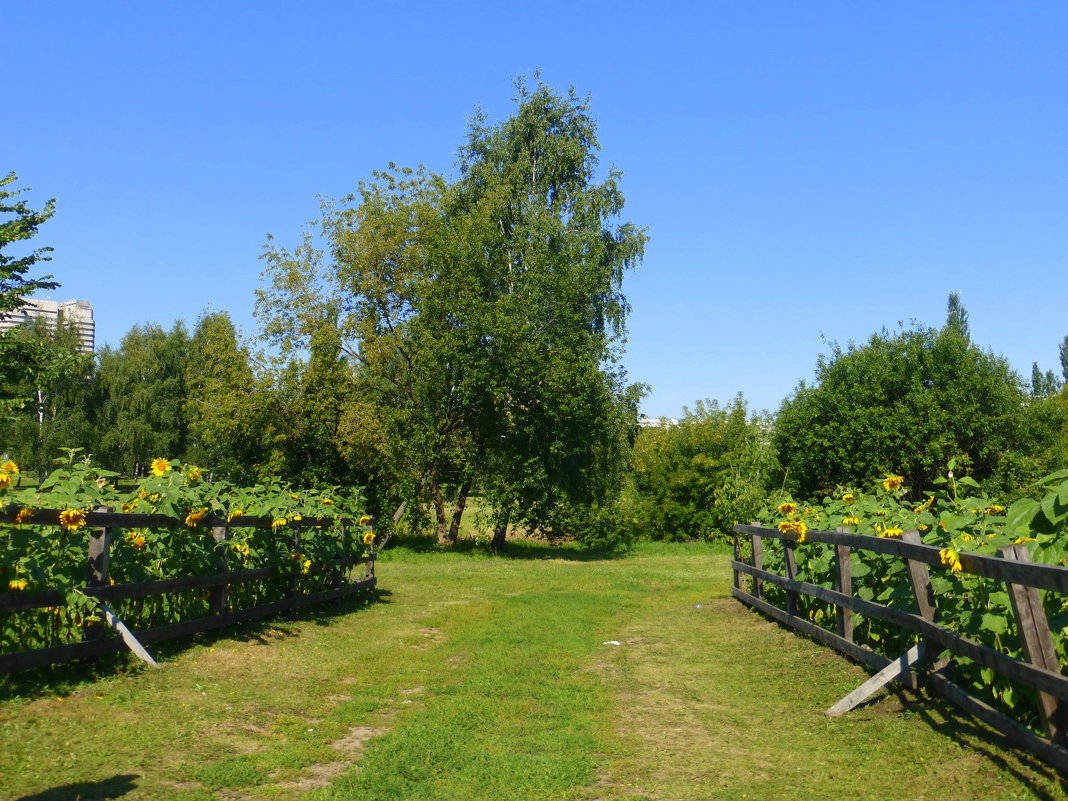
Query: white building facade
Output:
(77,314)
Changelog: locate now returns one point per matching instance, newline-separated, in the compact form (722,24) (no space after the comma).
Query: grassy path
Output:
(482,678)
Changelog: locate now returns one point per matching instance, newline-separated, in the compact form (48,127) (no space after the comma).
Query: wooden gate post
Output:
(790,559)
(1037,643)
(758,562)
(923,592)
(217,597)
(98,567)
(843,583)
(336,574)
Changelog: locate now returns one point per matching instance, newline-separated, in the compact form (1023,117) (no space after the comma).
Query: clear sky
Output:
(807,171)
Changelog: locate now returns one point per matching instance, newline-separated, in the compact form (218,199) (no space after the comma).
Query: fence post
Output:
(1037,642)
(790,560)
(843,583)
(336,574)
(291,592)
(98,567)
(734,570)
(217,598)
(758,562)
(923,592)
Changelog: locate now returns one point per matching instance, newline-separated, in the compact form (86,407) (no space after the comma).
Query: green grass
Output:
(479,677)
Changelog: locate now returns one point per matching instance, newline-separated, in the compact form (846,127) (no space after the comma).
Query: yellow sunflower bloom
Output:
(193,474)
(893,483)
(279,522)
(5,480)
(368,538)
(951,559)
(9,467)
(24,516)
(363,521)
(72,519)
(851,521)
(848,497)
(18,584)
(160,466)
(194,517)
(787,508)
(891,533)
(994,509)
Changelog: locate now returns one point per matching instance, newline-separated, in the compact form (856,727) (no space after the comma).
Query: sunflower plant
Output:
(36,557)
(957,518)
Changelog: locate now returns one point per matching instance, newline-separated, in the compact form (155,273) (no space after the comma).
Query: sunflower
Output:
(160,466)
(893,483)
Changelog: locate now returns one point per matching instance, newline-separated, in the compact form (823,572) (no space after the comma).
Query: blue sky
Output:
(806,171)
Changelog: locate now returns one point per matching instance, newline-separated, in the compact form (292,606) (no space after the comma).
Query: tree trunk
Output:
(500,531)
(439,513)
(458,512)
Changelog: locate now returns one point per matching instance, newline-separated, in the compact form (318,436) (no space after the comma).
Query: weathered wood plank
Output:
(1044,577)
(895,670)
(1042,680)
(1037,642)
(843,583)
(143,589)
(127,636)
(50,517)
(217,598)
(758,563)
(1015,732)
(789,550)
(852,650)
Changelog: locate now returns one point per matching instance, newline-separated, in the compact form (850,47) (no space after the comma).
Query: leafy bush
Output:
(699,478)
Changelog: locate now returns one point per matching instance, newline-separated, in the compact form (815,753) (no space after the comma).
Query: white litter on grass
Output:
(697,606)
(610,642)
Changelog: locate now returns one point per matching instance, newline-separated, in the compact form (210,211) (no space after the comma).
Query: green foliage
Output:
(483,317)
(703,476)
(51,399)
(143,397)
(224,403)
(14,283)
(907,404)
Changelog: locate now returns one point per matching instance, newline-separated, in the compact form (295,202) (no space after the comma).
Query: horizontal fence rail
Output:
(1040,670)
(103,524)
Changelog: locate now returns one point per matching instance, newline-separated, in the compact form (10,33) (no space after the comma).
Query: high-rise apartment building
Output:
(76,313)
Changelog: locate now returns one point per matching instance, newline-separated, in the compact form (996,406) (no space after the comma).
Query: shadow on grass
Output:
(954,723)
(970,733)
(68,678)
(114,787)
(513,549)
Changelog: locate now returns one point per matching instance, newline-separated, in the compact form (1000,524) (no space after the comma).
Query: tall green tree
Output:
(907,404)
(143,398)
(52,397)
(225,404)
(15,284)
(483,314)
(547,252)
(1064,359)
(957,316)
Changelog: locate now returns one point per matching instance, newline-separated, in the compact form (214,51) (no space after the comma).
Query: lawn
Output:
(480,677)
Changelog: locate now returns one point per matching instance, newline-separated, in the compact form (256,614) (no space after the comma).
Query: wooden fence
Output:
(103,526)
(1039,670)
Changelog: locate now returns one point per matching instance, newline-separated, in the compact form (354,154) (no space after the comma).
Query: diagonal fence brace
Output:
(894,670)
